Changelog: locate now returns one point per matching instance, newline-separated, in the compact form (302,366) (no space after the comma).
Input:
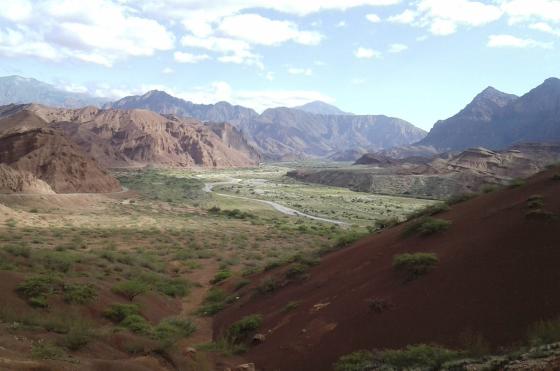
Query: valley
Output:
(165,247)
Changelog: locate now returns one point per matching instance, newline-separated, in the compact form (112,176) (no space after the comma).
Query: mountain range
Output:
(496,120)
(20,90)
(289,133)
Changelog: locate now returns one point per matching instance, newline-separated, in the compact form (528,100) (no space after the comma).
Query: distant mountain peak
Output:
(491,94)
(321,108)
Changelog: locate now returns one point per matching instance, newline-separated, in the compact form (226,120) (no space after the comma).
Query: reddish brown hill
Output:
(497,274)
(49,156)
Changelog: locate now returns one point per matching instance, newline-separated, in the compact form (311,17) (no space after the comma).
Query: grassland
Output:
(146,265)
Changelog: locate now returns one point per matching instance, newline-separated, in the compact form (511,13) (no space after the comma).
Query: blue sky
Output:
(420,60)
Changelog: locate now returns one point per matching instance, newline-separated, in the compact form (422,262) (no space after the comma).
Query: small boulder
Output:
(245,367)
(259,338)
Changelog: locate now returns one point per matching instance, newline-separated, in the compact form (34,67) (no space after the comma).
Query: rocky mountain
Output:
(321,108)
(163,103)
(497,120)
(289,133)
(440,177)
(19,90)
(281,132)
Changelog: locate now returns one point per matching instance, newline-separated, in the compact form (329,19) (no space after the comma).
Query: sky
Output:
(420,60)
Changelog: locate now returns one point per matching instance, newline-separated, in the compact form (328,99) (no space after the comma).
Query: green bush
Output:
(136,323)
(175,287)
(118,312)
(215,301)
(59,261)
(36,289)
(170,330)
(556,177)
(535,202)
(220,276)
(19,250)
(419,356)
(545,332)
(130,289)
(239,331)
(516,183)
(75,293)
(242,283)
(415,265)
(385,223)
(430,210)
(77,338)
(358,361)
(296,271)
(44,350)
(456,199)
(427,226)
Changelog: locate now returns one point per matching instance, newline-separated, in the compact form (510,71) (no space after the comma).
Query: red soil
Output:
(498,273)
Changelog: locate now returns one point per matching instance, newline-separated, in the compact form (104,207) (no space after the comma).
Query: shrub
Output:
(290,306)
(296,271)
(430,210)
(170,330)
(36,289)
(378,305)
(427,226)
(75,293)
(242,283)
(58,261)
(474,344)
(358,361)
(415,265)
(556,177)
(456,199)
(545,332)
(118,312)
(130,289)
(44,350)
(535,202)
(267,286)
(19,250)
(136,323)
(386,223)
(516,183)
(418,357)
(540,214)
(220,276)
(174,287)
(215,301)
(77,338)
(240,330)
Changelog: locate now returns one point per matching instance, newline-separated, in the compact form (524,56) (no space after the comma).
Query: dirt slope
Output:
(497,274)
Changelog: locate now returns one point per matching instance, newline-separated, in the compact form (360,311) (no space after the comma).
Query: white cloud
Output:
(341,24)
(406,17)
(509,41)
(232,50)
(444,17)
(528,10)
(168,71)
(545,27)
(366,53)
(96,31)
(397,48)
(269,76)
(256,29)
(373,18)
(300,71)
(182,57)
(16,10)
(75,88)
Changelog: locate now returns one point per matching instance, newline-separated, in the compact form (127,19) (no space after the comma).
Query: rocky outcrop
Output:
(440,177)
(14,181)
(132,138)
(49,156)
